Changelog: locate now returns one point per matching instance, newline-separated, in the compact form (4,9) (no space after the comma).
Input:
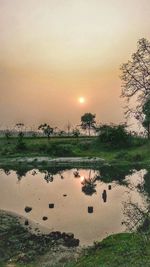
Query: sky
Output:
(54,51)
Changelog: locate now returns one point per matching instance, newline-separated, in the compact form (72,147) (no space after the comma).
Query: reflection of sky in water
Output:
(71,200)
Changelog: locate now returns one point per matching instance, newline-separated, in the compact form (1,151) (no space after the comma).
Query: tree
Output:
(146,120)
(136,78)
(47,130)
(76,132)
(20,127)
(88,122)
(68,127)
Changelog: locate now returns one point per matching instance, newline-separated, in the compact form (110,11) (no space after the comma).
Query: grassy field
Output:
(138,151)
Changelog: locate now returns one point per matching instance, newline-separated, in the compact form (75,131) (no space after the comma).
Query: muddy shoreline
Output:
(19,245)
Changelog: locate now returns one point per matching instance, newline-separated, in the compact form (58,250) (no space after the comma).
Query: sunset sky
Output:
(52,52)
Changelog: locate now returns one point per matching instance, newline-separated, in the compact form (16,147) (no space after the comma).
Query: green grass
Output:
(138,151)
(125,250)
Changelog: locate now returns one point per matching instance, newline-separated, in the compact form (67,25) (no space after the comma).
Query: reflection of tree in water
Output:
(6,171)
(89,189)
(89,184)
(21,172)
(109,173)
(136,217)
(49,174)
(48,177)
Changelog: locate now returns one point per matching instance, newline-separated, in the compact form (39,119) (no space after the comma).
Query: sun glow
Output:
(81,100)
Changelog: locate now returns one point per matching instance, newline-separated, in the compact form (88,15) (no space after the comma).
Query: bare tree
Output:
(136,78)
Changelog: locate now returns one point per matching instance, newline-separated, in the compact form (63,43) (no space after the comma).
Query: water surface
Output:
(71,197)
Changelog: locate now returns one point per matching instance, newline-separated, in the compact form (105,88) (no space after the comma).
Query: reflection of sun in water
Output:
(82,179)
(81,100)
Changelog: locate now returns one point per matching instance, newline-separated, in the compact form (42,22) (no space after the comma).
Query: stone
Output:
(109,187)
(55,235)
(26,222)
(70,235)
(72,242)
(90,209)
(45,218)
(104,196)
(27,209)
(51,206)
(66,236)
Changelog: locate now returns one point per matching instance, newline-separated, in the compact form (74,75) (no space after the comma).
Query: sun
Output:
(81,100)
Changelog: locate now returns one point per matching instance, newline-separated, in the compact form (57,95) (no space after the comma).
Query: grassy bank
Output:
(125,250)
(138,151)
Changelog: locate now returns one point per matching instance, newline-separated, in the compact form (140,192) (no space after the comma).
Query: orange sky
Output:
(54,51)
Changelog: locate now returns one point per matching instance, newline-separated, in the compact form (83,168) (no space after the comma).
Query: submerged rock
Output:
(67,239)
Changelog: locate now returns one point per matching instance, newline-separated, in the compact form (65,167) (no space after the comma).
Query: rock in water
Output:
(45,218)
(27,209)
(51,205)
(90,209)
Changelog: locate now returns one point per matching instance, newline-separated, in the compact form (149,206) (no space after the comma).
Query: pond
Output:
(86,202)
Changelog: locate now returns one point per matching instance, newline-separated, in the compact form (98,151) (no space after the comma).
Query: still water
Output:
(81,202)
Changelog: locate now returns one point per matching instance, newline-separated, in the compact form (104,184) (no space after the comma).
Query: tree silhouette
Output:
(47,130)
(136,78)
(88,122)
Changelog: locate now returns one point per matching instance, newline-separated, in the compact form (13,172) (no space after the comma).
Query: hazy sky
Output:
(54,51)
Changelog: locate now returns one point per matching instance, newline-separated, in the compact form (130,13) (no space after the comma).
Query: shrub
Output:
(114,135)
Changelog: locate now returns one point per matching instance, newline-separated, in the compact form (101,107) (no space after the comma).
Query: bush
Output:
(114,135)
